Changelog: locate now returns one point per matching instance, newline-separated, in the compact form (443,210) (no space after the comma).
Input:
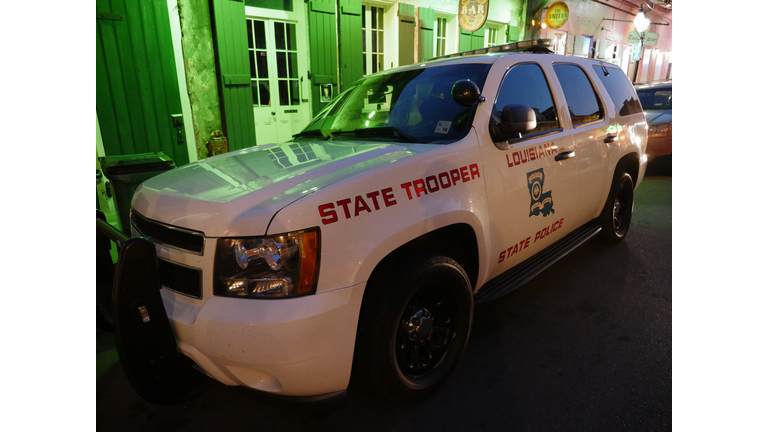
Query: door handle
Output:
(564,155)
(611,139)
(273,113)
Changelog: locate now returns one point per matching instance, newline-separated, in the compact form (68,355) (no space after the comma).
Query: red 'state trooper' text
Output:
(376,200)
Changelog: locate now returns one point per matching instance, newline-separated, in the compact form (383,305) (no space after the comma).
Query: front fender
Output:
(366,217)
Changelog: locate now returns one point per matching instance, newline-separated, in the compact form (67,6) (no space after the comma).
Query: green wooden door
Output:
(323,52)
(350,42)
(137,91)
(231,42)
(407,26)
(426,33)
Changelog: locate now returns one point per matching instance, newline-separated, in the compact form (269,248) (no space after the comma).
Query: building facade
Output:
(259,70)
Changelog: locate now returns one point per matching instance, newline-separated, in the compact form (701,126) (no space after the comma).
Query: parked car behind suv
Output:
(656,99)
(369,238)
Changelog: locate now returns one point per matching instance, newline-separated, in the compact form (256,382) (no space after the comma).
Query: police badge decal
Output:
(541,202)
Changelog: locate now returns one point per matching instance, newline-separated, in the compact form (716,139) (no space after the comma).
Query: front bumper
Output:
(292,347)
(295,347)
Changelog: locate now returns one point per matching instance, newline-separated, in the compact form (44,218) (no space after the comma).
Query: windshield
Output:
(414,106)
(656,98)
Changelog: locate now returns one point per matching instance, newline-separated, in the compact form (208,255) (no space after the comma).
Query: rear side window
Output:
(620,90)
(525,84)
(581,97)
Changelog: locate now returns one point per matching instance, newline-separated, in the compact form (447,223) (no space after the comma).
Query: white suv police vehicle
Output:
(368,239)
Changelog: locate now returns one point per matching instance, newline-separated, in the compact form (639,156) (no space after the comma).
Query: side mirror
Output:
(466,93)
(515,120)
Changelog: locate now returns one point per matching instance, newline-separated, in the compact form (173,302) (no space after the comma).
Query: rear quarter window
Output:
(619,89)
(583,104)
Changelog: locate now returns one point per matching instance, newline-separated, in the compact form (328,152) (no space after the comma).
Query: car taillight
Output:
(660,131)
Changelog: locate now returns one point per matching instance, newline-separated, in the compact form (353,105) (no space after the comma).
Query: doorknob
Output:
(564,155)
(273,113)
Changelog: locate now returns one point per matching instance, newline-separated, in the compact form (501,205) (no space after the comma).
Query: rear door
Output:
(532,197)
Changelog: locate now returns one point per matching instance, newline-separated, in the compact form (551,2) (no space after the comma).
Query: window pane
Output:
(294,92)
(293,65)
(525,84)
(381,18)
(364,47)
(261,63)
(365,65)
(251,57)
(579,94)
(249,26)
(373,17)
(255,92)
(621,91)
(363,15)
(283,84)
(260,35)
(264,98)
(374,37)
(282,71)
(374,65)
(280,35)
(381,42)
(291,36)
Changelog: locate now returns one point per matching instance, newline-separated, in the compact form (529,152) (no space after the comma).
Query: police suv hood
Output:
(658,116)
(238,193)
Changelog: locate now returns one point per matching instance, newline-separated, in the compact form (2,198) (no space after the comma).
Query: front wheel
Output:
(617,213)
(414,326)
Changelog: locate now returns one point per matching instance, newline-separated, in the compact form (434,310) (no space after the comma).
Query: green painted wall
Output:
(200,70)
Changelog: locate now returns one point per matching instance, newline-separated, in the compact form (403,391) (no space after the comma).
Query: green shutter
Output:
(323,53)
(231,43)
(471,41)
(407,26)
(137,89)
(350,42)
(426,33)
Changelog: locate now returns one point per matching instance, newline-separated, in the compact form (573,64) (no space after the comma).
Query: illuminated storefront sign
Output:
(557,15)
(472,14)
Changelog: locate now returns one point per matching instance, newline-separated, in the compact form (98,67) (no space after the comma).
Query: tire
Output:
(404,350)
(617,213)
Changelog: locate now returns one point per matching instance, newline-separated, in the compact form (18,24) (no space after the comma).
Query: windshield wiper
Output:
(379,131)
(311,133)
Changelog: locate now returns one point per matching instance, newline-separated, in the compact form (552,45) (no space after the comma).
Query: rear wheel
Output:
(414,326)
(617,213)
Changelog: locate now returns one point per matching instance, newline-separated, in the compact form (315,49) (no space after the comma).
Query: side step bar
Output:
(519,275)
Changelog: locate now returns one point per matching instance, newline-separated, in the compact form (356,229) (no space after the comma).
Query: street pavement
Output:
(585,346)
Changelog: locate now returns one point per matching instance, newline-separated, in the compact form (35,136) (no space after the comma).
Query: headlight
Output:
(277,266)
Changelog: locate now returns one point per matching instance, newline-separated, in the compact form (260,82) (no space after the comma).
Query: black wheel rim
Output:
(425,331)
(620,208)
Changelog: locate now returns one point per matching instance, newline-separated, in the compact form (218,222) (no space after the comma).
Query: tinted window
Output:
(656,98)
(579,94)
(620,90)
(525,84)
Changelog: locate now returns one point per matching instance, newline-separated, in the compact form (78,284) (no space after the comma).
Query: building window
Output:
(286,54)
(440,37)
(373,39)
(490,37)
(257,53)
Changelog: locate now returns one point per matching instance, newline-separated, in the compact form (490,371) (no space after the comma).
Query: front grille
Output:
(186,280)
(172,236)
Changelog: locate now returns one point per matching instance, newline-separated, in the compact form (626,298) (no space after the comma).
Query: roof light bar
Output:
(532,45)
